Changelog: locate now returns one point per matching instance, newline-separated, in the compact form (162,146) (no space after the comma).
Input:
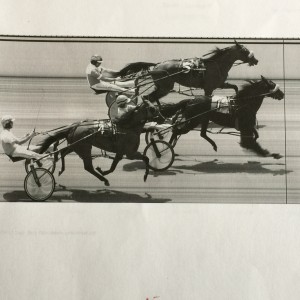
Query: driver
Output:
(98,82)
(12,145)
(124,105)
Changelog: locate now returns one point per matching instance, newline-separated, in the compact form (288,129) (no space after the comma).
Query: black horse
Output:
(190,113)
(208,73)
(122,140)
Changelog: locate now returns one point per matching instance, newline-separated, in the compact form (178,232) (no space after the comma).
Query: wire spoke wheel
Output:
(110,98)
(158,135)
(161,155)
(39,184)
(48,164)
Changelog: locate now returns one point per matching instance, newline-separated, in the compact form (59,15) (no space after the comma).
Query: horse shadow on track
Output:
(137,165)
(63,194)
(215,166)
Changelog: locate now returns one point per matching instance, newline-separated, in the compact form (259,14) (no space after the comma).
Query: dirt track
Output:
(198,174)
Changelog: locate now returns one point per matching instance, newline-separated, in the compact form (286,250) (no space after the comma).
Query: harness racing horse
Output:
(242,117)
(207,73)
(82,136)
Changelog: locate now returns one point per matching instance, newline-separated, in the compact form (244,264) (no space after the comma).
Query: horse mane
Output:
(215,53)
(134,68)
(248,87)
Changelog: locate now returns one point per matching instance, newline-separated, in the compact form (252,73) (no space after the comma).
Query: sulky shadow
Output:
(87,196)
(215,166)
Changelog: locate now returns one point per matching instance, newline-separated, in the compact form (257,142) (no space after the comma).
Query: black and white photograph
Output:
(150,120)
(149,150)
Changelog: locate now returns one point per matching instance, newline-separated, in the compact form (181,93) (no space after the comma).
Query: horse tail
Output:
(55,136)
(135,67)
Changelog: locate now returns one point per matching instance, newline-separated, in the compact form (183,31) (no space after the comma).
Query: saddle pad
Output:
(194,63)
(103,127)
(220,104)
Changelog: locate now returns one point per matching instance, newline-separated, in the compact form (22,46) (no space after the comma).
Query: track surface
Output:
(231,175)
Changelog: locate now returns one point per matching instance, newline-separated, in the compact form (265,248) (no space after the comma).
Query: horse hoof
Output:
(276,155)
(145,177)
(216,149)
(106,182)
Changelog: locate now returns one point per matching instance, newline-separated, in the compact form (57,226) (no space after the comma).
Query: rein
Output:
(35,125)
(183,122)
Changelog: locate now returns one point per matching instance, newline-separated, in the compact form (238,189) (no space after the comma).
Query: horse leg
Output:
(113,166)
(63,153)
(249,142)
(203,134)
(55,151)
(145,159)
(85,153)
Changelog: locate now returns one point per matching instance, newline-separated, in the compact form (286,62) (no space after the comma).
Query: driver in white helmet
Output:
(12,145)
(124,105)
(98,82)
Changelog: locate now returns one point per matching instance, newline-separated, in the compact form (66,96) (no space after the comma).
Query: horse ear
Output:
(236,42)
(263,79)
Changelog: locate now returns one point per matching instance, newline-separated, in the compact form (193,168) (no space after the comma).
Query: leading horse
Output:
(245,105)
(122,140)
(208,72)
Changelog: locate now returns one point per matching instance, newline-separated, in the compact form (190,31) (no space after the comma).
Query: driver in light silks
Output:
(98,82)
(13,146)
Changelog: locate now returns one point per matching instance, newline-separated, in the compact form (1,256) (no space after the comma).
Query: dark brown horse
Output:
(246,103)
(124,140)
(208,72)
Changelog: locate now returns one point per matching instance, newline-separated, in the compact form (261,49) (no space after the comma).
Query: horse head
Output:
(244,54)
(272,89)
(256,89)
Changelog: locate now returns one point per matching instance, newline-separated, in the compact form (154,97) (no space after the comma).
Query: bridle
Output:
(250,55)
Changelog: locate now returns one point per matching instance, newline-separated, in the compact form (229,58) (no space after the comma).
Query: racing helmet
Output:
(7,118)
(122,99)
(96,58)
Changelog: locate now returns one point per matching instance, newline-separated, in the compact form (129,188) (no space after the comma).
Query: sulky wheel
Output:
(39,184)
(110,98)
(161,155)
(113,111)
(48,164)
(158,135)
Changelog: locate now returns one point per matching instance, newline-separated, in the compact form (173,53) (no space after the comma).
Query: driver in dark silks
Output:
(125,109)
(98,82)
